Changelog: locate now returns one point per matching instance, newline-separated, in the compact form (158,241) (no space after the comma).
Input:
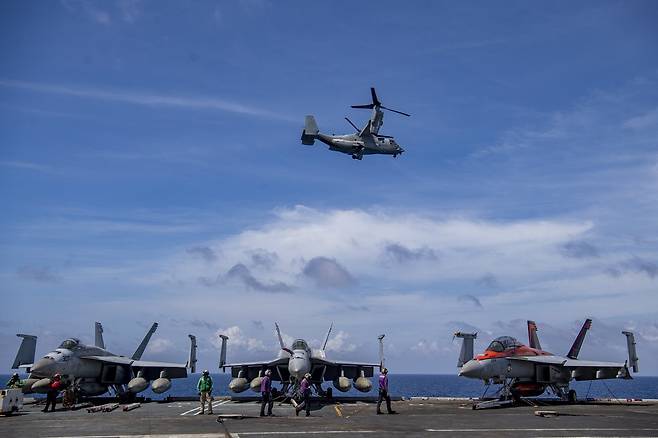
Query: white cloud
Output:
(238,340)
(147,99)
(160,345)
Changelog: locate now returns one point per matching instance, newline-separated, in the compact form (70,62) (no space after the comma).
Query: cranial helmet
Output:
(206,372)
(385,370)
(307,375)
(14,375)
(57,376)
(268,372)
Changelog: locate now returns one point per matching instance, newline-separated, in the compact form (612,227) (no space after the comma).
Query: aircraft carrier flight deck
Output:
(429,417)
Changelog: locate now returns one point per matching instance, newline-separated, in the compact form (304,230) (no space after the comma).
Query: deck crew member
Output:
(14,382)
(266,394)
(305,389)
(53,390)
(205,391)
(383,393)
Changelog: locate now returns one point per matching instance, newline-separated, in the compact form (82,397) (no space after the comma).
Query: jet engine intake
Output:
(92,388)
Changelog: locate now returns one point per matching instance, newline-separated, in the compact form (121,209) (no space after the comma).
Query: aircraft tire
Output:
(329,393)
(572,397)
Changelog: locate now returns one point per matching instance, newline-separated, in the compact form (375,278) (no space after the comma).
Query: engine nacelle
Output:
(255,384)
(92,388)
(239,384)
(41,386)
(363,384)
(160,385)
(343,384)
(138,384)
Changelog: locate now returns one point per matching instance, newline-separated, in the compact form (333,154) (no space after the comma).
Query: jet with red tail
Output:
(527,370)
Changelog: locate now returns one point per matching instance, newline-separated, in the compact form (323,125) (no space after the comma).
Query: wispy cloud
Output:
(148,99)
(26,165)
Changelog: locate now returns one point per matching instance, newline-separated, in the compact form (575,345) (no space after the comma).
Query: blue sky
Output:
(151,170)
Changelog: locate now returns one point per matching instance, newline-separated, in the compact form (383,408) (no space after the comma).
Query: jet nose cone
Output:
(44,367)
(297,368)
(473,369)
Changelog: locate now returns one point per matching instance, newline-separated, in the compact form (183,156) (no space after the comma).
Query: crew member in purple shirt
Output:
(266,394)
(305,389)
(383,393)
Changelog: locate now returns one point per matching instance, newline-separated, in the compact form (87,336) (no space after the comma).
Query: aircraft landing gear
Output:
(572,397)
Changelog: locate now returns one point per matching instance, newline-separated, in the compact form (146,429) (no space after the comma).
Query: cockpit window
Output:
(503,343)
(70,344)
(299,344)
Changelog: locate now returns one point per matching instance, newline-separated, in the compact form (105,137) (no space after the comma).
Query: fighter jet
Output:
(94,370)
(528,370)
(366,141)
(293,363)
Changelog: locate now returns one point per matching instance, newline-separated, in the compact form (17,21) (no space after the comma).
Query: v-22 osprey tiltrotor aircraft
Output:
(366,141)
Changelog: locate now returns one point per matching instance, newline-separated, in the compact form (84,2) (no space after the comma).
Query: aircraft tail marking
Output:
(575,348)
(25,354)
(140,350)
(533,339)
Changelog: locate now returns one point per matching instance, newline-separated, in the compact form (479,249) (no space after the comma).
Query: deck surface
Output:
(417,417)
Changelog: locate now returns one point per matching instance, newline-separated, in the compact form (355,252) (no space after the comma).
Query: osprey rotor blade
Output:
(353,125)
(396,111)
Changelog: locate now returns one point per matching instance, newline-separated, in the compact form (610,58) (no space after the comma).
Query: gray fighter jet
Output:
(366,141)
(293,363)
(93,370)
(528,370)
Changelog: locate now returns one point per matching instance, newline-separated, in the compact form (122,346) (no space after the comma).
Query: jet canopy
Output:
(503,343)
(70,343)
(299,344)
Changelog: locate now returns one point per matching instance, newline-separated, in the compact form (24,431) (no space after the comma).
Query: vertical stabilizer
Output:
(191,361)
(533,339)
(466,352)
(140,350)
(25,354)
(222,352)
(278,335)
(632,354)
(310,130)
(381,350)
(575,348)
(98,335)
(326,339)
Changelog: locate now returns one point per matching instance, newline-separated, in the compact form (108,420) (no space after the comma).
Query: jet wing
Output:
(151,370)
(250,370)
(582,369)
(335,368)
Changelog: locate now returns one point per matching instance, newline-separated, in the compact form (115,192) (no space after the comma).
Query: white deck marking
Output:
(198,408)
(234,435)
(569,429)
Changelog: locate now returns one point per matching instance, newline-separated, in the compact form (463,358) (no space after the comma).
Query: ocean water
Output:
(433,385)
